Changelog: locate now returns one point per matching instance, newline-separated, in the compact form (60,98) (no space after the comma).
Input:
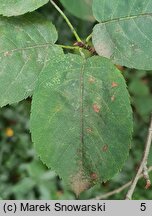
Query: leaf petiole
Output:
(67,21)
(68,47)
(88,38)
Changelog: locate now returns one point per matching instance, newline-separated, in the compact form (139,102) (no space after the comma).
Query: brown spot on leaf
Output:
(148,184)
(105,148)
(93,176)
(96,108)
(113,98)
(79,183)
(91,80)
(114,84)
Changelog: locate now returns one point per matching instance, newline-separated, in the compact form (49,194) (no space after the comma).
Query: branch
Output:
(120,189)
(86,47)
(143,166)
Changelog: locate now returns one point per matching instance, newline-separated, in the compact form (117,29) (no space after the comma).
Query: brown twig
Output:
(143,166)
(120,189)
(85,46)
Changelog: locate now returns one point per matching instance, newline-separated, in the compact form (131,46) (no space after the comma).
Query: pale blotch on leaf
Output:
(112,98)
(89,130)
(79,183)
(7,53)
(91,80)
(104,49)
(58,108)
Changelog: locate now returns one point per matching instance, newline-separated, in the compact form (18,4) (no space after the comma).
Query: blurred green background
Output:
(22,174)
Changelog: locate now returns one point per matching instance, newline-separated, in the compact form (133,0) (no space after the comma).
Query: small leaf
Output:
(18,7)
(124,32)
(79,8)
(26,44)
(81,125)
(139,88)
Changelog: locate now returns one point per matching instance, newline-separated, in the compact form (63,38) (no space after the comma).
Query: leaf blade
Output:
(124,34)
(19,7)
(68,124)
(80,9)
(106,10)
(26,44)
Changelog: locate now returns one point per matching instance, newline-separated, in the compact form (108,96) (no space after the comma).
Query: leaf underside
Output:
(81,120)
(26,44)
(124,34)
(19,7)
(79,8)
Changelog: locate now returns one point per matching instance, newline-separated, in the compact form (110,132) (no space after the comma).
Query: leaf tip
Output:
(79,183)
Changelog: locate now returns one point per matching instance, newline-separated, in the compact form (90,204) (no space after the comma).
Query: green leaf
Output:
(81,120)
(138,88)
(18,7)
(124,34)
(26,44)
(143,106)
(79,8)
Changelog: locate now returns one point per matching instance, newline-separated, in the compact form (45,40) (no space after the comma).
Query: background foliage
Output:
(23,176)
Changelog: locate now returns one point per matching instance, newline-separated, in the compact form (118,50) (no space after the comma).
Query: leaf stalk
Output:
(67,21)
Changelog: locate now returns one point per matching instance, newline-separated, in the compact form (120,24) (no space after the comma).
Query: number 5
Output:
(143,207)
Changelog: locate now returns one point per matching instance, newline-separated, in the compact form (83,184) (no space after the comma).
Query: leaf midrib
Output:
(28,47)
(82,108)
(127,18)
